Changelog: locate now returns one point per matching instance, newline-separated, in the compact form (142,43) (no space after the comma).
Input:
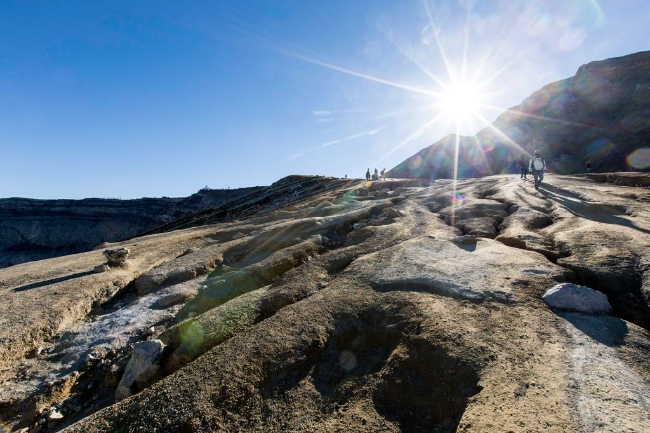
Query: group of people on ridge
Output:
(376,175)
(536,165)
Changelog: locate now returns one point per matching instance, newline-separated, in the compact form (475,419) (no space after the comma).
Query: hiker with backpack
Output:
(537,166)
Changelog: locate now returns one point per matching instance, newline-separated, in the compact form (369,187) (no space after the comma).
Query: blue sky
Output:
(134,99)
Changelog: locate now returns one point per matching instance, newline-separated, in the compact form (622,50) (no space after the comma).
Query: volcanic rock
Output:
(142,367)
(349,313)
(567,296)
(117,257)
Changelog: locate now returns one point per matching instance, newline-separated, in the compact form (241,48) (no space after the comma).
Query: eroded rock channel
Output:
(384,306)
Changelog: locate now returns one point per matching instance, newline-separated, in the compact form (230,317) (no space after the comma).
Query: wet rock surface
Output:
(361,306)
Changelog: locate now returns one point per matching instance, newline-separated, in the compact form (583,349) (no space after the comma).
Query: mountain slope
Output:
(601,114)
(383,306)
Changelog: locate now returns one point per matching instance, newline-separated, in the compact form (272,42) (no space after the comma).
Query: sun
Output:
(460,102)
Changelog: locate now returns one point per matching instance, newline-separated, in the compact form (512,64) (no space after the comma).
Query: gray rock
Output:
(117,257)
(458,270)
(173,299)
(141,369)
(55,415)
(101,268)
(574,297)
(148,282)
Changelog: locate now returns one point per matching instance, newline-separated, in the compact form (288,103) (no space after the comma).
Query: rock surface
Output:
(348,312)
(567,296)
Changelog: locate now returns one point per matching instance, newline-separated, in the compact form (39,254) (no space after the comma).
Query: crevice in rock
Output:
(425,388)
(622,287)
(238,282)
(191,338)
(59,402)
(75,373)
(121,298)
(412,382)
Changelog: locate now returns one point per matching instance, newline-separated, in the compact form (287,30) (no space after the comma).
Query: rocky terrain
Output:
(601,114)
(340,305)
(39,229)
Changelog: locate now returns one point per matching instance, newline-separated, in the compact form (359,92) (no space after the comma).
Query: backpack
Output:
(538,164)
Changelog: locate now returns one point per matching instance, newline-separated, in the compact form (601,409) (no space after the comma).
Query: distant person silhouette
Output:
(368,174)
(375,175)
(383,174)
(588,165)
(521,162)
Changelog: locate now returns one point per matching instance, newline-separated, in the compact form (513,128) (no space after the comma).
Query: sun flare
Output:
(461,102)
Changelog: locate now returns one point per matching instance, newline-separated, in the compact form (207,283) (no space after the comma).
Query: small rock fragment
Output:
(172,299)
(55,416)
(101,268)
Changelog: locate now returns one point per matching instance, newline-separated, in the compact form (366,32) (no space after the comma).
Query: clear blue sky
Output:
(133,99)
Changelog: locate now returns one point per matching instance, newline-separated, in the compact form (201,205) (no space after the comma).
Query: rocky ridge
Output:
(384,306)
(33,229)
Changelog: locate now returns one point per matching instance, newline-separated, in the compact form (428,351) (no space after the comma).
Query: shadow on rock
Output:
(607,330)
(52,281)
(598,212)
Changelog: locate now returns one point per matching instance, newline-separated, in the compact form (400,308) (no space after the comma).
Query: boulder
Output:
(147,283)
(173,299)
(117,257)
(568,296)
(142,368)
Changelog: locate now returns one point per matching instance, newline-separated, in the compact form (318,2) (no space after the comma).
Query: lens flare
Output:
(347,360)
(639,159)
(457,199)
(601,148)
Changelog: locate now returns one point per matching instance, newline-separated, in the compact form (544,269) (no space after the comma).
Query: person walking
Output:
(537,166)
(521,162)
(588,166)
(383,174)
(368,174)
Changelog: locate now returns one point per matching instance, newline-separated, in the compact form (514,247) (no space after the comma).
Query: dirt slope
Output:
(390,306)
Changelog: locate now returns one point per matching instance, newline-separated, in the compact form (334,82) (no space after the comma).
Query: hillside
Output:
(346,306)
(33,229)
(601,114)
